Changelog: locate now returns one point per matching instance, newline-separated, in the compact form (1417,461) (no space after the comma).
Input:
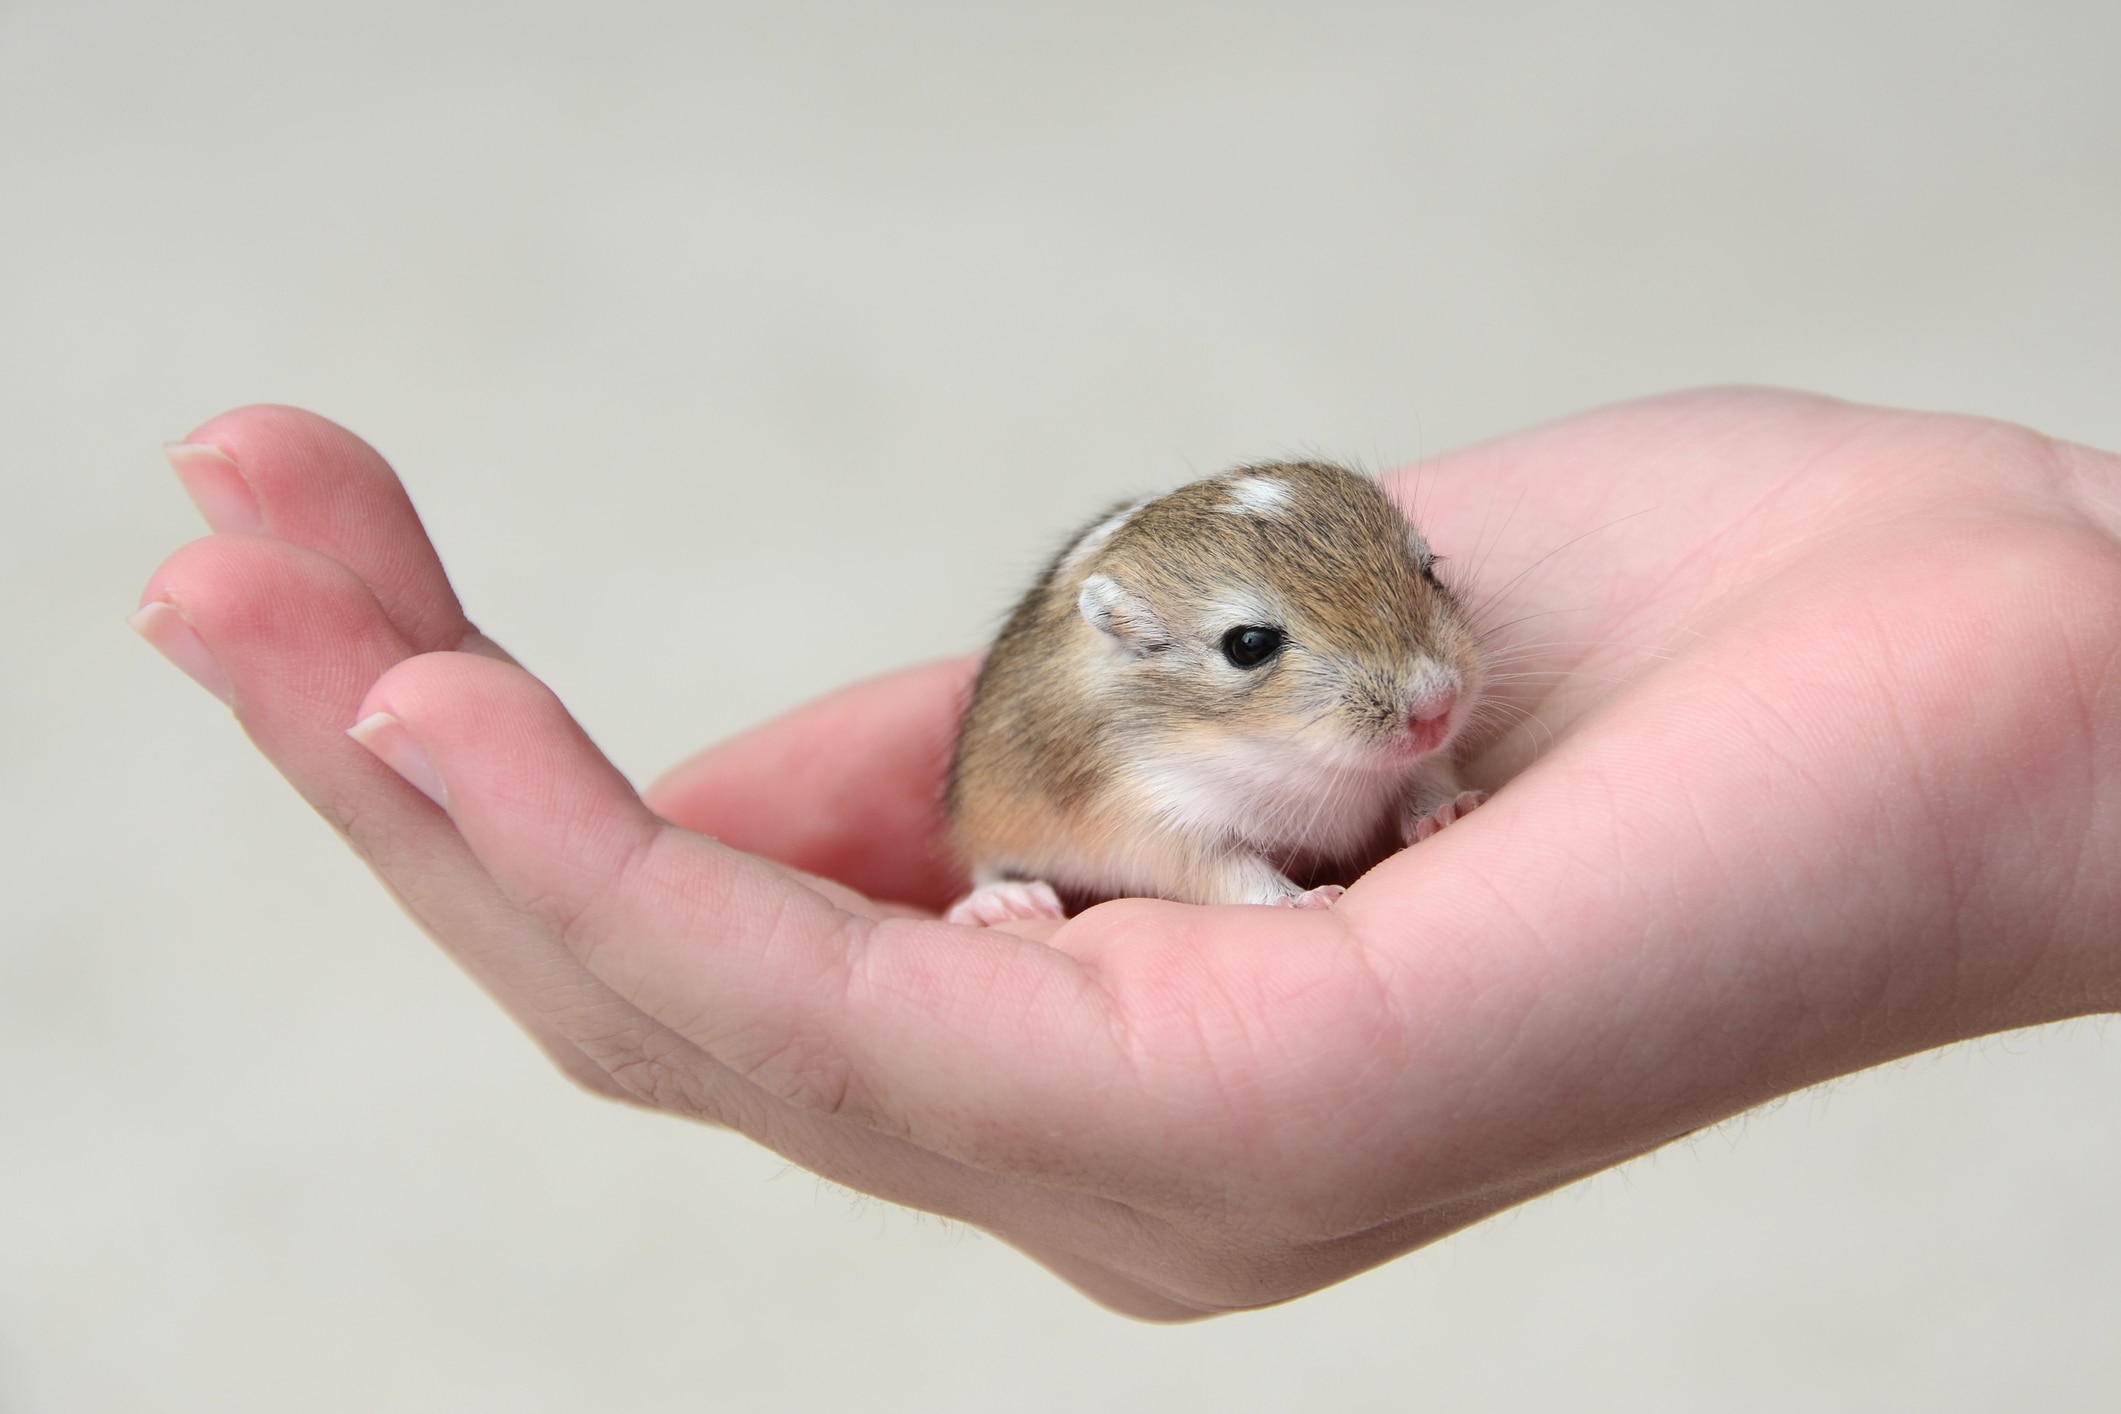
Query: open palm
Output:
(1805,740)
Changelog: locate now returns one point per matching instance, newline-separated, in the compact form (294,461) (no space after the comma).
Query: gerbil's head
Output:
(1288,603)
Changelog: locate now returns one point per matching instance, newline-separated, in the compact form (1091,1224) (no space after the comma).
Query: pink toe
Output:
(1003,903)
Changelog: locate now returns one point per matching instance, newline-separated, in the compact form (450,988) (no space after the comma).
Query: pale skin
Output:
(1810,759)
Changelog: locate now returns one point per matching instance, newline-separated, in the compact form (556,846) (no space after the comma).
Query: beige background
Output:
(733,355)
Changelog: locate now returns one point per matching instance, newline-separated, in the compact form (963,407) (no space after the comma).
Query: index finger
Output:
(971,1043)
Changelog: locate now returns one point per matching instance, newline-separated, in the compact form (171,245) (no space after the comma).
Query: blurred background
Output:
(734,352)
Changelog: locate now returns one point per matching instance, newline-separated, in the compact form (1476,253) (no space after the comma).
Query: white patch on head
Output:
(1094,538)
(1255,496)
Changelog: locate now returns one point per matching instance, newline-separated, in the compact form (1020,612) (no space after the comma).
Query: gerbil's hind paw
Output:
(1457,808)
(1324,896)
(1002,903)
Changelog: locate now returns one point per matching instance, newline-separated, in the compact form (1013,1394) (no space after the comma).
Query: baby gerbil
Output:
(1221,695)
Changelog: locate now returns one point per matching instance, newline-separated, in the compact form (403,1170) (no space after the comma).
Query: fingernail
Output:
(210,477)
(386,738)
(167,633)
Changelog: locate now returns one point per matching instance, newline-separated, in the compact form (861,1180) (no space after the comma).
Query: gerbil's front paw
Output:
(1001,903)
(1458,807)
(1324,896)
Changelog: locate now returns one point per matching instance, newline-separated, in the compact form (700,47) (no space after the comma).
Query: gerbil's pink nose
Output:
(1430,721)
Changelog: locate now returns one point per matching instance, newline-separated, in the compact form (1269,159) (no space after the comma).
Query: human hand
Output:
(1807,755)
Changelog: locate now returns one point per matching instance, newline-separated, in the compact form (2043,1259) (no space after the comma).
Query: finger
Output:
(849,787)
(290,474)
(295,640)
(901,1025)
(850,790)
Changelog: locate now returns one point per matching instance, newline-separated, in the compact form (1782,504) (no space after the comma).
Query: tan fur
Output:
(1111,749)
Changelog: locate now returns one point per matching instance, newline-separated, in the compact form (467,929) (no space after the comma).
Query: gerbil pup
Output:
(1213,695)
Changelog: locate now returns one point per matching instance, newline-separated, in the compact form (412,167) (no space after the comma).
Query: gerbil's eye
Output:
(1251,645)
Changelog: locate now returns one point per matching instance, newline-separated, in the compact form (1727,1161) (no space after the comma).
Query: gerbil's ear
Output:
(1111,607)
